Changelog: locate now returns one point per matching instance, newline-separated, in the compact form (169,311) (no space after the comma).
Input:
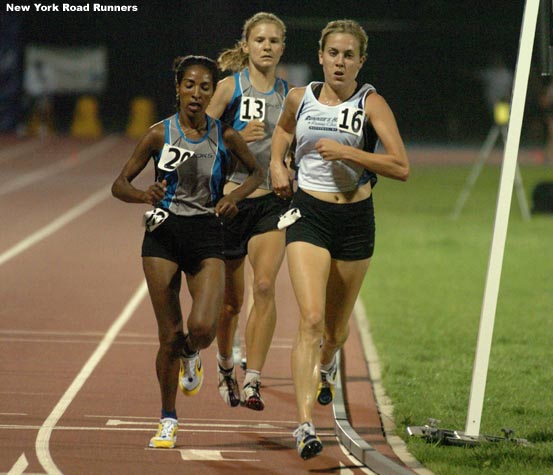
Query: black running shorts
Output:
(255,216)
(186,241)
(346,230)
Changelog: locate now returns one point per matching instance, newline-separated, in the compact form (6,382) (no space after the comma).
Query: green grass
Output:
(423,296)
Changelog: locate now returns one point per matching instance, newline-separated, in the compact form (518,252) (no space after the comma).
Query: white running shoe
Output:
(228,386)
(251,398)
(191,374)
(307,442)
(166,436)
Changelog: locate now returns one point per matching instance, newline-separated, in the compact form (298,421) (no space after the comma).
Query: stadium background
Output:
(423,55)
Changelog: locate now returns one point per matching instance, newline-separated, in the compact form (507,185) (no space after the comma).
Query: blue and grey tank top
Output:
(247,104)
(195,170)
(346,123)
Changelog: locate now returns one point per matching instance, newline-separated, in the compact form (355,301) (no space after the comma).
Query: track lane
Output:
(62,296)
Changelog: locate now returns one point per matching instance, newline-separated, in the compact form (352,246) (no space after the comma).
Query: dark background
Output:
(423,56)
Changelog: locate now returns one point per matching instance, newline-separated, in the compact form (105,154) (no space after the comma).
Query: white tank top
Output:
(346,123)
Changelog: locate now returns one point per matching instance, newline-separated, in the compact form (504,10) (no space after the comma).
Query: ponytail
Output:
(233,59)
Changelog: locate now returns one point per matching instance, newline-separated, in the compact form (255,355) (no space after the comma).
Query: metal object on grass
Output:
(436,435)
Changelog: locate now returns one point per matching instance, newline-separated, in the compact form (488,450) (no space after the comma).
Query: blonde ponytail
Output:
(233,59)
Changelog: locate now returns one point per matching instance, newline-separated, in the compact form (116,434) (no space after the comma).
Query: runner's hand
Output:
(155,192)
(226,207)
(254,131)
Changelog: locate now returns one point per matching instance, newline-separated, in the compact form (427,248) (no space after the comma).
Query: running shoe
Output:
(228,386)
(191,374)
(166,436)
(325,393)
(251,397)
(244,364)
(307,442)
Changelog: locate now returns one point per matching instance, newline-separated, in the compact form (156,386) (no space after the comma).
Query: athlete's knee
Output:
(231,309)
(312,323)
(336,339)
(336,336)
(232,304)
(202,333)
(263,289)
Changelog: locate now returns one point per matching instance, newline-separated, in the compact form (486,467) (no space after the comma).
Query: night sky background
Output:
(423,56)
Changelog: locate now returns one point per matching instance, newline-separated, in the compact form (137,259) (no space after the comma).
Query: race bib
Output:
(153,218)
(350,120)
(172,156)
(252,108)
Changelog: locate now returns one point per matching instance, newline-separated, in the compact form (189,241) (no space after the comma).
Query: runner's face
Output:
(265,45)
(340,59)
(195,90)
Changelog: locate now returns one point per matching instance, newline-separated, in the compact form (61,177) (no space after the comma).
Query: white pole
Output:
(501,219)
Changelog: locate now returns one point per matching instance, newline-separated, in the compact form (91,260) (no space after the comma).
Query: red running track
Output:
(78,391)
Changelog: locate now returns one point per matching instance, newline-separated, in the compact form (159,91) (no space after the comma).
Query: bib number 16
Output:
(350,120)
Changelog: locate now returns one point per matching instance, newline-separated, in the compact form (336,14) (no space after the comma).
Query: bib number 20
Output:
(172,157)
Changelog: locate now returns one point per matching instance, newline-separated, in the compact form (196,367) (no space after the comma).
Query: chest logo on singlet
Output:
(252,108)
(172,157)
(350,120)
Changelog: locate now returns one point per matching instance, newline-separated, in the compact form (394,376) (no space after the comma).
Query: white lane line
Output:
(209,455)
(155,420)
(229,425)
(58,223)
(344,470)
(150,429)
(353,460)
(75,159)
(43,437)
(286,342)
(76,341)
(19,466)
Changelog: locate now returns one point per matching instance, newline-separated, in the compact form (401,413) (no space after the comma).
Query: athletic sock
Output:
(186,351)
(172,414)
(251,374)
(326,367)
(226,363)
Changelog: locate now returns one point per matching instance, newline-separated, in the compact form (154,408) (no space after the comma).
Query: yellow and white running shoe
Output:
(191,374)
(325,392)
(308,443)
(166,436)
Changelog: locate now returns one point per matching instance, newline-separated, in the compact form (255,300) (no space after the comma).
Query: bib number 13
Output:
(350,120)
(252,108)
(171,157)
